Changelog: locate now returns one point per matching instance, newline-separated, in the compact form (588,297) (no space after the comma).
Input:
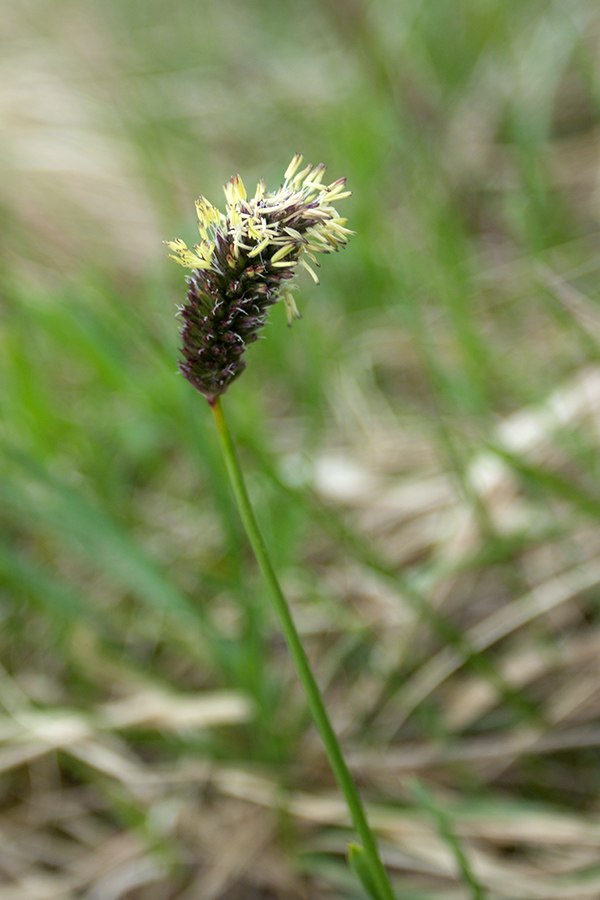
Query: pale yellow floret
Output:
(314,239)
(260,247)
(337,195)
(295,234)
(316,176)
(297,179)
(238,243)
(291,310)
(260,190)
(337,226)
(311,272)
(234,191)
(235,218)
(206,249)
(186,257)
(283,251)
(334,190)
(253,232)
(332,240)
(207,215)
(293,166)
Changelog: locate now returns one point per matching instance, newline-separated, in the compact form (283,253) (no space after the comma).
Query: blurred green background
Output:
(422,449)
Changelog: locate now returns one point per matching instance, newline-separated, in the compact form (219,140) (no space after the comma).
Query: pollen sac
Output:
(244,264)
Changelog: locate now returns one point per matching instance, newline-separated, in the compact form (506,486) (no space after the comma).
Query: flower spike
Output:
(245,263)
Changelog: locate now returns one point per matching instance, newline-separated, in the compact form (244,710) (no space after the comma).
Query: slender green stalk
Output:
(315,701)
(426,801)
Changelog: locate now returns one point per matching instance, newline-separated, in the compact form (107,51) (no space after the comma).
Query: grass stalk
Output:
(315,701)
(446,832)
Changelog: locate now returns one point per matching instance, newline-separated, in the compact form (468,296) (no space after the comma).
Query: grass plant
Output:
(421,453)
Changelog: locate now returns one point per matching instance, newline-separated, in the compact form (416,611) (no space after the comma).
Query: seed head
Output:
(245,263)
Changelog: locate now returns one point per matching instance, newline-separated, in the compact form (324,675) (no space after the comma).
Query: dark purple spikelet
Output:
(244,265)
(221,317)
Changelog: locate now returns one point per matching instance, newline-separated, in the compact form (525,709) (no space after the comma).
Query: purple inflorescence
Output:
(245,263)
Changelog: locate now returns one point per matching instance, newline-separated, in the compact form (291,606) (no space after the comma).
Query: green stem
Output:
(315,701)
(447,834)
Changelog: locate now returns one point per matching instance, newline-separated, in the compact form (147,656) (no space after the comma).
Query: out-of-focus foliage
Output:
(422,449)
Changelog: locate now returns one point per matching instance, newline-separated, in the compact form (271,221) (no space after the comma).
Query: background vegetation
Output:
(422,449)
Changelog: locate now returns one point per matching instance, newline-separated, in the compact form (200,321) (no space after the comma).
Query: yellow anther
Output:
(283,251)
(293,166)
(260,247)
